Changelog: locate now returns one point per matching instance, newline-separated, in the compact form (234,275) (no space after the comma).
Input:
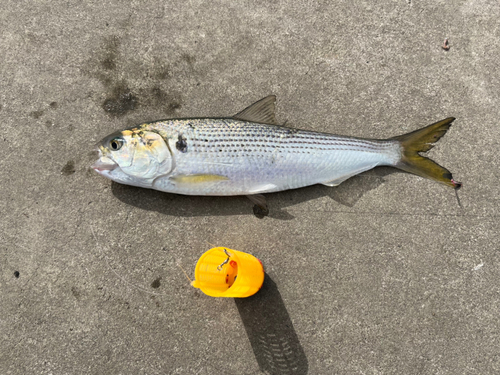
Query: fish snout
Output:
(100,166)
(103,163)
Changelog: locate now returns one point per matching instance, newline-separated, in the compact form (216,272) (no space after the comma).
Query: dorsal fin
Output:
(261,111)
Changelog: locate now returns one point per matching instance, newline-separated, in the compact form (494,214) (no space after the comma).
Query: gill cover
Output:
(140,154)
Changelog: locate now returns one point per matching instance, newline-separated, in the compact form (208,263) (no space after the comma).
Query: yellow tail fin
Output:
(423,140)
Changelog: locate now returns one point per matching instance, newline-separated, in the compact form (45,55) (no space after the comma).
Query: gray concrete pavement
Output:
(384,274)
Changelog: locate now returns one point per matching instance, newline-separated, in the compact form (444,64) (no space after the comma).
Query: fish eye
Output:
(115,144)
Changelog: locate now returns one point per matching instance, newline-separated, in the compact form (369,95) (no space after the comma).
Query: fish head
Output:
(133,157)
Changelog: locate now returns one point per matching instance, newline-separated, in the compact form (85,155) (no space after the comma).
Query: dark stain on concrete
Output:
(108,64)
(155,301)
(160,98)
(36,114)
(111,46)
(156,283)
(93,154)
(120,74)
(163,72)
(174,105)
(75,293)
(69,168)
(121,101)
(189,59)
(40,113)
(90,172)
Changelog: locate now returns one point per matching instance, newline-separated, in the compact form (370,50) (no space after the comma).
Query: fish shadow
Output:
(269,328)
(347,194)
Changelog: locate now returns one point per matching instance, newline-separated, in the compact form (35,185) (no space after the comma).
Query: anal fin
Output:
(337,181)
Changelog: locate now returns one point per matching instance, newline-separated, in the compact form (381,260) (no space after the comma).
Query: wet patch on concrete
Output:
(156,283)
(120,102)
(68,169)
(49,124)
(111,46)
(37,114)
(75,293)
(160,98)
(189,59)
(163,71)
(130,84)
(153,298)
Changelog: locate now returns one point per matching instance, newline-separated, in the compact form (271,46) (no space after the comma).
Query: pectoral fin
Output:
(259,200)
(264,188)
(197,178)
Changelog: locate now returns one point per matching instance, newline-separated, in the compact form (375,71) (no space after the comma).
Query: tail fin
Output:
(423,140)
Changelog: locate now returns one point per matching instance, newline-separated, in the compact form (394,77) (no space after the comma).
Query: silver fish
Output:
(249,154)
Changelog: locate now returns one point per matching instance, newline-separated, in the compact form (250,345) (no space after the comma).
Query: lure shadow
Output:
(270,330)
(347,194)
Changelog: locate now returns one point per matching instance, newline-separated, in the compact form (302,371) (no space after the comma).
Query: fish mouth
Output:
(104,164)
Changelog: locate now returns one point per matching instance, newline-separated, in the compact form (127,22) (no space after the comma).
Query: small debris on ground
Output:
(446,45)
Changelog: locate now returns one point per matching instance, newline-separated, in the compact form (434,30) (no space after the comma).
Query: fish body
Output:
(249,154)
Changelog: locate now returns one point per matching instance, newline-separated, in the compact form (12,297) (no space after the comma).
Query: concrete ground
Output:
(385,274)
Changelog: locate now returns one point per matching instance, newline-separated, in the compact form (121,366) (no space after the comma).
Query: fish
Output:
(251,154)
